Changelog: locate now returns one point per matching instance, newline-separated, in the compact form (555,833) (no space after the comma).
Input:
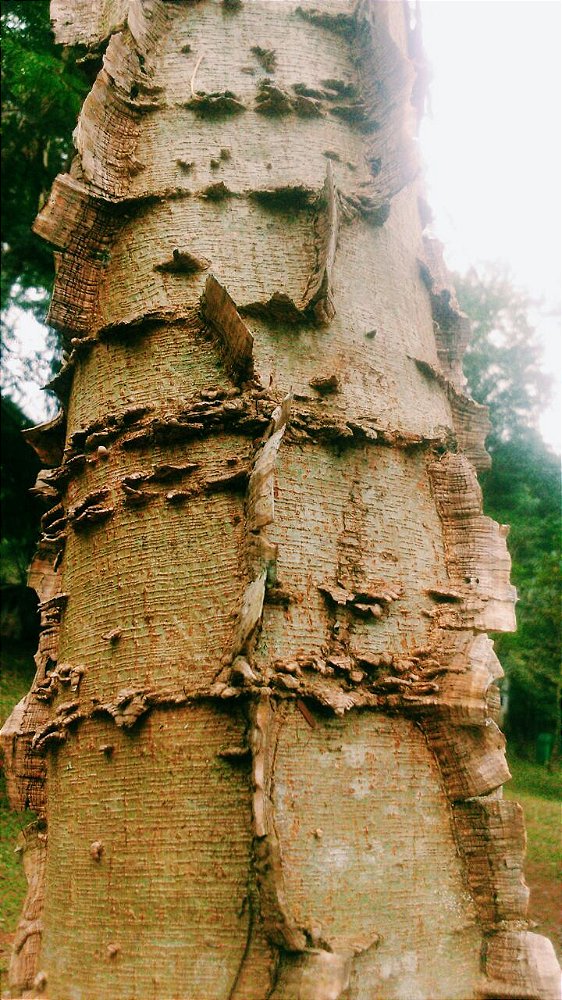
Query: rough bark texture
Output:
(265,701)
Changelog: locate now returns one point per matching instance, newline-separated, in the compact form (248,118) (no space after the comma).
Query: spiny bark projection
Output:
(262,733)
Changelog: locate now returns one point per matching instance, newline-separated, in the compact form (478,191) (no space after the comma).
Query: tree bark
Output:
(262,733)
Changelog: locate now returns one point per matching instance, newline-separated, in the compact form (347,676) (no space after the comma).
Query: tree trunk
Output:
(265,699)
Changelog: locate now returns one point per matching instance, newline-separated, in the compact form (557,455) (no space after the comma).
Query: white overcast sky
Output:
(491,146)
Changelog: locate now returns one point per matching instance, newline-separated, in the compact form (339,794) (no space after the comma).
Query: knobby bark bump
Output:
(261,742)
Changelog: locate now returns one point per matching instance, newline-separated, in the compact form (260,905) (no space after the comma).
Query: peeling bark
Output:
(263,726)
(238,343)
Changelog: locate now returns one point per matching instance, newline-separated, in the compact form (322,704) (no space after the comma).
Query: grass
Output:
(533,779)
(537,788)
(16,674)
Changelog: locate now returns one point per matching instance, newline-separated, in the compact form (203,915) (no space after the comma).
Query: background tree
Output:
(502,361)
(521,489)
(19,528)
(42,92)
(19,510)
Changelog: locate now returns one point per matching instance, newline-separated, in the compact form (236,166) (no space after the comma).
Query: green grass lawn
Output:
(16,675)
(12,881)
(538,789)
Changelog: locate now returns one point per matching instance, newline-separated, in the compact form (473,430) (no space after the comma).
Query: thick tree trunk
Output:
(265,696)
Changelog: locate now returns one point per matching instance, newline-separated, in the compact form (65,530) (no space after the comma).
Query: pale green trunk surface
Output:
(265,699)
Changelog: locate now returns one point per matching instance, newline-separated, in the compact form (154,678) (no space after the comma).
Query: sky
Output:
(491,149)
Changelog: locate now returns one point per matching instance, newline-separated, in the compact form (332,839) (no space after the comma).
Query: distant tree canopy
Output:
(19,466)
(502,361)
(521,489)
(42,92)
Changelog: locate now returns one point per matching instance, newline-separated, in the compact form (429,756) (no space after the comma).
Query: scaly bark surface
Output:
(262,737)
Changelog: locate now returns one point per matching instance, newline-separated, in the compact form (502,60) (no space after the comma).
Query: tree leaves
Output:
(42,91)
(502,365)
(502,361)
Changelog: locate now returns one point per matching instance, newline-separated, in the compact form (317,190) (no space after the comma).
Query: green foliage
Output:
(539,790)
(42,92)
(502,361)
(521,489)
(16,675)
(20,512)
